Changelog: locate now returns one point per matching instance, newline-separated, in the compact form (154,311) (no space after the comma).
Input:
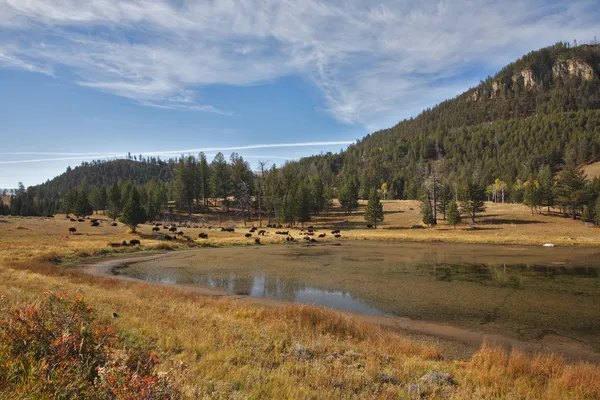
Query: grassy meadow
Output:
(220,347)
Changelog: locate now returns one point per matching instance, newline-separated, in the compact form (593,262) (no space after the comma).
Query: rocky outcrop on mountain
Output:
(529,80)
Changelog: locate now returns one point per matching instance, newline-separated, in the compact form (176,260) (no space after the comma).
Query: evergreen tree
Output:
(348,195)
(317,190)
(572,187)
(444,196)
(99,198)
(547,187)
(427,211)
(374,210)
(114,204)
(220,179)
(185,182)
(203,179)
(474,200)
(71,201)
(83,206)
(303,203)
(453,214)
(133,212)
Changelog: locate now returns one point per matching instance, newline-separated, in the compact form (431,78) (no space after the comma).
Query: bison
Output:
(95,223)
(248,235)
(155,229)
(262,233)
(180,233)
(256,240)
(203,235)
(369,226)
(338,236)
(173,229)
(113,224)
(72,230)
(322,235)
(134,242)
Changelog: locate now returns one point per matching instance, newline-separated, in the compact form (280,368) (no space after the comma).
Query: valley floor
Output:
(219,347)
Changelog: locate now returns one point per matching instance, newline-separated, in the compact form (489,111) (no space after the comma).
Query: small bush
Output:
(60,350)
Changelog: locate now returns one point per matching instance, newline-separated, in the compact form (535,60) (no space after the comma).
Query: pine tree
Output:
(114,204)
(474,200)
(453,214)
(83,206)
(303,203)
(572,187)
(427,212)
(547,187)
(374,210)
(348,195)
(70,201)
(133,212)
(220,180)
(444,196)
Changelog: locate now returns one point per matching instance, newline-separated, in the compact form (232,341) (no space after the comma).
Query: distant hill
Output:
(104,173)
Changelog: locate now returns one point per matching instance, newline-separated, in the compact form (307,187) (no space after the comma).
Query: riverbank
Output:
(464,342)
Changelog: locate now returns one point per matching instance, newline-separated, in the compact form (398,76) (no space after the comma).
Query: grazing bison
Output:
(173,229)
(73,220)
(155,229)
(168,237)
(227,230)
(252,230)
(180,233)
(113,224)
(134,242)
(72,230)
(256,240)
(262,233)
(124,243)
(248,235)
(95,223)
(335,231)
(81,220)
(313,240)
(290,239)
(322,235)
(203,235)
(338,236)
(369,226)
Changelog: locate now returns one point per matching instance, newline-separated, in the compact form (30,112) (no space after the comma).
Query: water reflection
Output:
(269,287)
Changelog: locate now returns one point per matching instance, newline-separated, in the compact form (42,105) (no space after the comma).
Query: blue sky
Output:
(90,79)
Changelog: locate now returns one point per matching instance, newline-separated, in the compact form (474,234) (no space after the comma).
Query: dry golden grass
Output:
(224,348)
(592,170)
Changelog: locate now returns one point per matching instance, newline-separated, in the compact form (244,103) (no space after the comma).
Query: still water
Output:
(526,292)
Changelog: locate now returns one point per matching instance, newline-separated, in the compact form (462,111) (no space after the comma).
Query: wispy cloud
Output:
(210,151)
(370,60)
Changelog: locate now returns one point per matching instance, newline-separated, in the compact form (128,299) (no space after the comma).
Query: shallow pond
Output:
(526,292)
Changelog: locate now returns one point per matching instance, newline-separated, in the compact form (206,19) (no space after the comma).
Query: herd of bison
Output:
(173,231)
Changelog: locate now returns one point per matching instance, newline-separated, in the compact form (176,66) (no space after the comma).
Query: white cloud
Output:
(370,60)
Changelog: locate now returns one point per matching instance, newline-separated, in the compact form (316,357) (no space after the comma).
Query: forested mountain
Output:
(532,116)
(534,111)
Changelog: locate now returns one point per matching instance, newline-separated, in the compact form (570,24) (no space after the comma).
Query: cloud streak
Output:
(369,60)
(66,156)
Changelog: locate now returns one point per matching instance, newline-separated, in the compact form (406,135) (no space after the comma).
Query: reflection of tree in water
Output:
(502,274)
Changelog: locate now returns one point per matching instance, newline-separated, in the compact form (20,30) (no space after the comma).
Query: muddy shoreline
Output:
(463,341)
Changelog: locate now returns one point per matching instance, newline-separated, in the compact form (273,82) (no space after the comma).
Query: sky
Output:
(273,80)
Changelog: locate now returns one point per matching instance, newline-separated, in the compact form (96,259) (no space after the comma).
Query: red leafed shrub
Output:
(59,350)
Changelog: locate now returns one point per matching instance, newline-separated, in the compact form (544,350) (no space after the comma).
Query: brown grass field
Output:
(592,170)
(219,347)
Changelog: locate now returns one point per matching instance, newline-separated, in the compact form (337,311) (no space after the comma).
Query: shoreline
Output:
(471,340)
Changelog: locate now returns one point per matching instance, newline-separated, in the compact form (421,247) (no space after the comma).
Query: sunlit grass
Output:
(225,348)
